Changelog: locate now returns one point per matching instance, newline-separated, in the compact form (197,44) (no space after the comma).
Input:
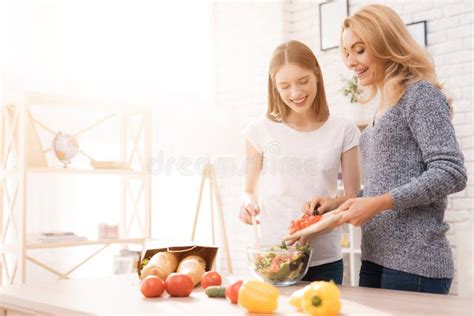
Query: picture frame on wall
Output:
(331,15)
(418,31)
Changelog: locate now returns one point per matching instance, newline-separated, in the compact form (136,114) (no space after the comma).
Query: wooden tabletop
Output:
(120,295)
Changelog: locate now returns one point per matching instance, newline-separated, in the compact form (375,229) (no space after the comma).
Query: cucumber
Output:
(215,291)
(284,271)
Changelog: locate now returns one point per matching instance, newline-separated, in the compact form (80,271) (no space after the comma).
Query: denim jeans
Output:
(326,272)
(377,276)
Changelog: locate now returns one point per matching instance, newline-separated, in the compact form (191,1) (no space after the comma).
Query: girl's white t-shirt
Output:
(296,167)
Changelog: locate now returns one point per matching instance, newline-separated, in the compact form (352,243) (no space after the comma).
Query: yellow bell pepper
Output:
(296,297)
(321,298)
(258,297)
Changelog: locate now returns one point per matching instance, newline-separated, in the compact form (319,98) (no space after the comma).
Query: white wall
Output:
(245,34)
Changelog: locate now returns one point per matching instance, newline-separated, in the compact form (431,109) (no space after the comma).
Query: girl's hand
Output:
(359,210)
(248,209)
(301,240)
(320,205)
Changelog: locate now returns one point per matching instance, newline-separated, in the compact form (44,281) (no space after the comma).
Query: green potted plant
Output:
(351,89)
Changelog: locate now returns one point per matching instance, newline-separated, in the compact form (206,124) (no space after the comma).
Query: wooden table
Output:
(120,295)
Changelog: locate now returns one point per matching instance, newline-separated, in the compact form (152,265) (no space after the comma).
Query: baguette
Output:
(194,266)
(161,265)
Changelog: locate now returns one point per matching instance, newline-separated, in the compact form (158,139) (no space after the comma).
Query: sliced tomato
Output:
(303,222)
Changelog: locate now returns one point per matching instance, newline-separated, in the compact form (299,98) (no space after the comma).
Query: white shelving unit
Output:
(351,254)
(23,155)
(351,239)
(350,243)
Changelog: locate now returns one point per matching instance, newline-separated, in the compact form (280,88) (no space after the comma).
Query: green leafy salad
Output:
(282,263)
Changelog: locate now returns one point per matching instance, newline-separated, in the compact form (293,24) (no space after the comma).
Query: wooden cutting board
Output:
(328,221)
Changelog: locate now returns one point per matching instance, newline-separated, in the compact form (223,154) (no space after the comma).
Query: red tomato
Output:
(179,285)
(232,292)
(152,286)
(211,278)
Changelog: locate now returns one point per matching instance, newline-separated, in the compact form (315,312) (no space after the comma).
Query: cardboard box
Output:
(181,250)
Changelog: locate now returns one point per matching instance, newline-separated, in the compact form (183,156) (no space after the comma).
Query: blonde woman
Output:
(410,156)
(296,151)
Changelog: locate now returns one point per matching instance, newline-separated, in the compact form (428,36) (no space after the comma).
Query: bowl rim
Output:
(291,249)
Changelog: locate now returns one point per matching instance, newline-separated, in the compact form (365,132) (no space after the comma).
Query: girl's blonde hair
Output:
(386,37)
(297,53)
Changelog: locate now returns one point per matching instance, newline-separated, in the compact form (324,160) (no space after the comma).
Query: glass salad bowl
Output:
(280,266)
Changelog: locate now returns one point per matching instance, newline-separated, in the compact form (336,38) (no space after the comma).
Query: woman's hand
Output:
(320,205)
(359,210)
(248,209)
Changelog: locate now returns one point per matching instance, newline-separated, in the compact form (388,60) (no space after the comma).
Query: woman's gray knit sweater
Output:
(412,152)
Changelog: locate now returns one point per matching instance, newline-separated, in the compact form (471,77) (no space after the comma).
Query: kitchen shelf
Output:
(124,172)
(22,153)
(348,250)
(62,244)
(351,254)
(350,245)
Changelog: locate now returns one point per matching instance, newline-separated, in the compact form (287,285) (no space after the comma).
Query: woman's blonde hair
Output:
(386,37)
(297,53)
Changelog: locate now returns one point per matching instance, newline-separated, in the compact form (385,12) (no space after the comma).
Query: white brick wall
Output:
(241,87)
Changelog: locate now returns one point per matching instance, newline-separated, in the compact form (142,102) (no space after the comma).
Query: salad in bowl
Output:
(280,265)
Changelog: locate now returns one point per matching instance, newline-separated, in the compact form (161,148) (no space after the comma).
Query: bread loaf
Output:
(194,266)
(161,265)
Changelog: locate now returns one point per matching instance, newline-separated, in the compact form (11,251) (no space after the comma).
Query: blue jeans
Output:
(377,276)
(326,272)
